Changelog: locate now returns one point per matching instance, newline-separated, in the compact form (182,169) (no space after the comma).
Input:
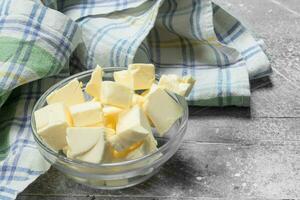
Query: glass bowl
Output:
(112,175)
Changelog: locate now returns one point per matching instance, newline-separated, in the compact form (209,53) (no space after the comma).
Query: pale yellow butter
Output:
(109,111)
(124,78)
(149,146)
(162,109)
(137,100)
(95,154)
(70,94)
(173,83)
(132,127)
(111,114)
(137,77)
(51,124)
(93,87)
(115,94)
(82,139)
(86,114)
(143,75)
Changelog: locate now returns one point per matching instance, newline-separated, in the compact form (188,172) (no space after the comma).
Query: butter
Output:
(109,111)
(137,77)
(82,139)
(124,78)
(124,153)
(143,75)
(173,83)
(86,114)
(95,154)
(137,100)
(162,109)
(115,94)
(51,124)
(111,114)
(153,87)
(132,127)
(70,94)
(93,87)
(148,146)
(108,152)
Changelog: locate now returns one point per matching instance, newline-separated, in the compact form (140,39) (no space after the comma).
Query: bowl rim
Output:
(41,101)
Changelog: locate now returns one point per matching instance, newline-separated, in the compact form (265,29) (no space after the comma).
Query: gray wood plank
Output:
(269,170)
(222,129)
(292,6)
(99,197)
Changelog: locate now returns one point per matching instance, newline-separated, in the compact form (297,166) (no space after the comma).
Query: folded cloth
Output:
(52,39)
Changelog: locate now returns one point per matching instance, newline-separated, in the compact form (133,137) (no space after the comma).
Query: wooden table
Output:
(228,152)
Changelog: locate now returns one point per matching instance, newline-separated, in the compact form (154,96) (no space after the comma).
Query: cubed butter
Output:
(115,94)
(82,139)
(51,124)
(148,146)
(86,114)
(124,153)
(70,94)
(93,87)
(95,154)
(147,92)
(137,77)
(143,75)
(132,127)
(162,109)
(137,100)
(111,114)
(109,111)
(173,83)
(124,78)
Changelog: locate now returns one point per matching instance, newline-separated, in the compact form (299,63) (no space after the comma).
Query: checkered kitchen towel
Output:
(52,38)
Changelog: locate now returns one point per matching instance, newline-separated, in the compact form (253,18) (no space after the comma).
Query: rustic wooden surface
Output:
(228,152)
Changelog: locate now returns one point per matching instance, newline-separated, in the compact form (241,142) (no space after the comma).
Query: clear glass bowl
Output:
(112,175)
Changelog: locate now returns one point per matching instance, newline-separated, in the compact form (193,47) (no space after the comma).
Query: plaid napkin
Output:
(52,39)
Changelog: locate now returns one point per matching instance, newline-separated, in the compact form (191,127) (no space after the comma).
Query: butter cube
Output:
(137,100)
(115,94)
(148,146)
(137,77)
(109,111)
(93,87)
(51,124)
(132,127)
(111,114)
(70,94)
(143,75)
(153,87)
(173,83)
(124,78)
(122,154)
(162,110)
(82,139)
(86,114)
(95,154)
